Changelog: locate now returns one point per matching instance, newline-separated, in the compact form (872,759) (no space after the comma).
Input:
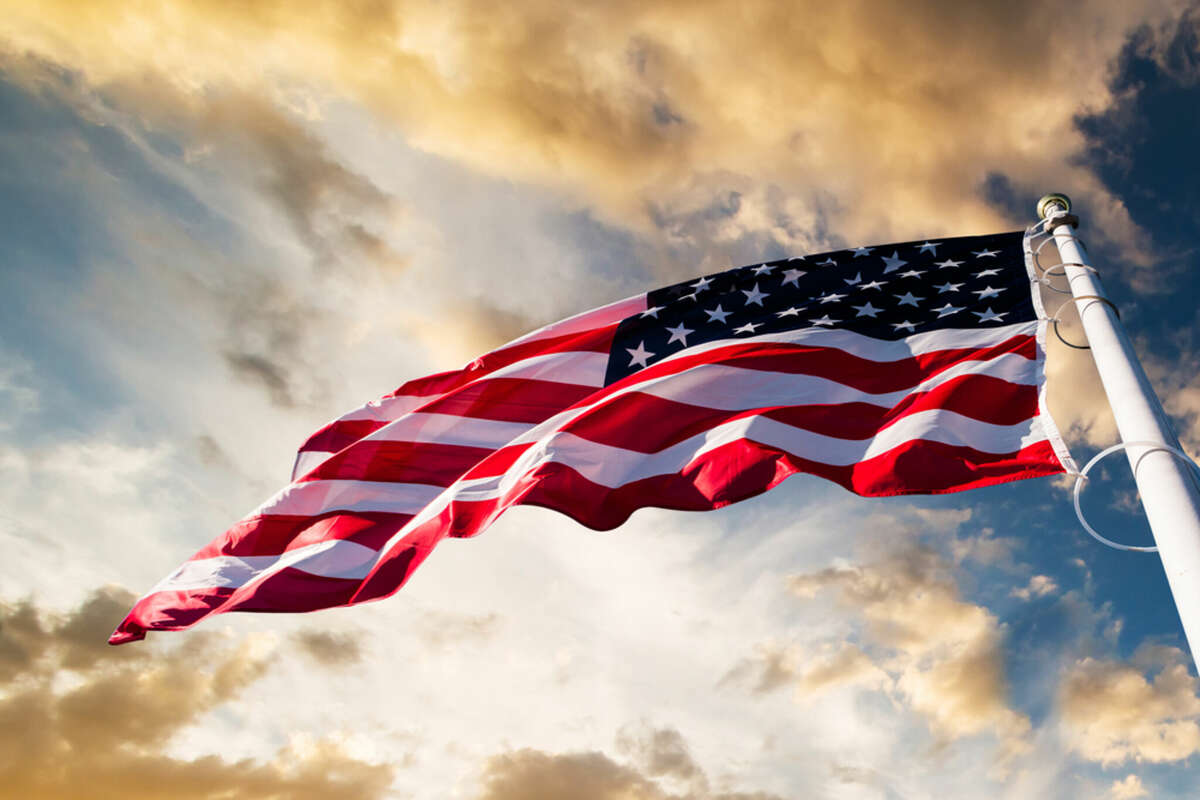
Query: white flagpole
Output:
(1166,484)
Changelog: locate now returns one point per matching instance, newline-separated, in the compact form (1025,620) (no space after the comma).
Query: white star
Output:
(791,312)
(985,253)
(929,247)
(796,258)
(948,309)
(748,327)
(989,315)
(987,291)
(859,252)
(867,311)
(791,276)
(907,299)
(948,287)
(652,312)
(825,320)
(761,269)
(717,314)
(912,273)
(691,296)
(871,285)
(856,279)
(640,355)
(949,262)
(905,324)
(754,296)
(830,298)
(987,272)
(829,262)
(701,284)
(894,263)
(679,334)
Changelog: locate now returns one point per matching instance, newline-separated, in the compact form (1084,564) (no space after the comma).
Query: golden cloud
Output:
(81,719)
(536,775)
(876,121)
(943,655)
(1111,712)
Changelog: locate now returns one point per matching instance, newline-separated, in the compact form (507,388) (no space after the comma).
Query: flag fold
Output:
(911,368)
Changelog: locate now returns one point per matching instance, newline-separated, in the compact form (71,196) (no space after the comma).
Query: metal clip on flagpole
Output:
(1170,494)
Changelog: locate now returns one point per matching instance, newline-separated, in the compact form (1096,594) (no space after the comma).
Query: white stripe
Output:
(450,429)
(387,409)
(582,368)
(593,318)
(429,428)
(869,347)
(335,558)
(307,461)
(731,388)
(577,368)
(614,466)
(847,341)
(715,386)
(318,497)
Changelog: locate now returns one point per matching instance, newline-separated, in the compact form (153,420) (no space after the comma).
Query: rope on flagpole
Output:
(1081,477)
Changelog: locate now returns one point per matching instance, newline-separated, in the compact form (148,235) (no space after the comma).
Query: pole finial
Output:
(1044,205)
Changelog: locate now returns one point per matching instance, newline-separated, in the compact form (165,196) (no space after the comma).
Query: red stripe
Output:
(341,433)
(274,534)
(501,399)
(400,462)
(725,475)
(168,611)
(722,476)
(510,400)
(876,377)
(596,340)
(646,424)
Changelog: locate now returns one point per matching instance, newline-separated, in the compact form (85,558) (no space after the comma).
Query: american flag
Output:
(909,368)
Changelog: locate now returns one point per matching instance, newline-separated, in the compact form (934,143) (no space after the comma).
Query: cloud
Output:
(79,718)
(1128,788)
(18,394)
(1112,713)
(809,673)
(530,774)
(440,629)
(651,112)
(944,654)
(329,649)
(1038,586)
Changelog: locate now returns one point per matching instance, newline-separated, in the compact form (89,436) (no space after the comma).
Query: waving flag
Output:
(909,368)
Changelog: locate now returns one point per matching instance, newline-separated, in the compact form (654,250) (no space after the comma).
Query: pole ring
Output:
(1054,321)
(1049,273)
(1035,254)
(1044,280)
(1081,477)
(1099,299)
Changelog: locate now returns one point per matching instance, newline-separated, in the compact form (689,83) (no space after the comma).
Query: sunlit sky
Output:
(224,224)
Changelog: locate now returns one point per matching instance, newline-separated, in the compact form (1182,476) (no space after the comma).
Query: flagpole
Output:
(1167,485)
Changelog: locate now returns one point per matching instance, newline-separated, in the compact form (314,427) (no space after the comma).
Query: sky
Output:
(224,224)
